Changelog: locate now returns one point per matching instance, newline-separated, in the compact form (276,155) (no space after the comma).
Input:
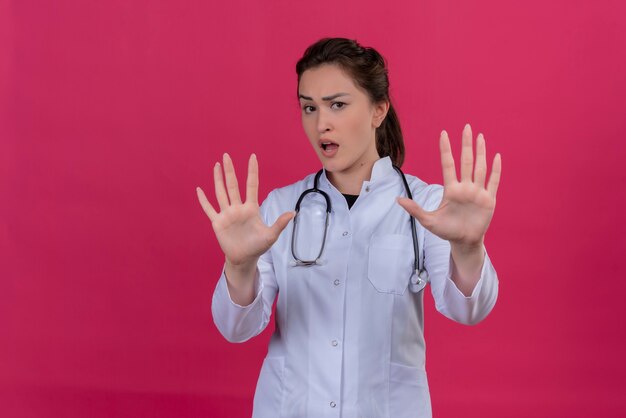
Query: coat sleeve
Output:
(449,300)
(240,323)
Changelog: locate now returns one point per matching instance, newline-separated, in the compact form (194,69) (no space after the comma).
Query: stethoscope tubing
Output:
(420,271)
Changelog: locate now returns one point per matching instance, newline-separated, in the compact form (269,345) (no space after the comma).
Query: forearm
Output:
(240,281)
(467,265)
(238,322)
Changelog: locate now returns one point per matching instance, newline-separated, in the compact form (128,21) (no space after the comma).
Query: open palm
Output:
(467,206)
(239,228)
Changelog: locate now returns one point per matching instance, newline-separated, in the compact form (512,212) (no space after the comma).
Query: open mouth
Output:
(329,146)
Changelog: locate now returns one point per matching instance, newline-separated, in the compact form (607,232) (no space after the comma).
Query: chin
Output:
(334,166)
(329,164)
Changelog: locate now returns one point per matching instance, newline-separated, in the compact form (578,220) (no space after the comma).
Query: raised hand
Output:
(467,206)
(239,228)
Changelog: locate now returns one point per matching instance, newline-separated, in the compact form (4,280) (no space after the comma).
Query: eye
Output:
(306,109)
(338,103)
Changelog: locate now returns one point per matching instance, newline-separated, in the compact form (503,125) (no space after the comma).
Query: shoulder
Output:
(426,195)
(294,189)
(284,198)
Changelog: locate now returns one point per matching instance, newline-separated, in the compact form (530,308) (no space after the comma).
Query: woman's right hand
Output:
(239,228)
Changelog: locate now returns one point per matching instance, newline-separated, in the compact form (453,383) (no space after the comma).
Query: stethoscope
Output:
(418,281)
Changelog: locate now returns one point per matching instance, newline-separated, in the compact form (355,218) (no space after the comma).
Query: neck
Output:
(351,180)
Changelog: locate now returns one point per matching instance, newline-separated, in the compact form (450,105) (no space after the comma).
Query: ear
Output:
(380,112)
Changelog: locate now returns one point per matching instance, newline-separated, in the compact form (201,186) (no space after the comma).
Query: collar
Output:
(382,167)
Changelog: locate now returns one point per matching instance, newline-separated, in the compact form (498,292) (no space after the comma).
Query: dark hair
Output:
(368,70)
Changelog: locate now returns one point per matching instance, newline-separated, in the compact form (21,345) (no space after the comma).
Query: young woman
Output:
(351,268)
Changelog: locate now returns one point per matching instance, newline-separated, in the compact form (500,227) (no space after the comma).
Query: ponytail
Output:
(389,141)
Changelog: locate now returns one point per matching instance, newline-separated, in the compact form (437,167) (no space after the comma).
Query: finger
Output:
(281,223)
(447,161)
(467,156)
(494,178)
(252,184)
(231,181)
(415,210)
(480,171)
(206,206)
(220,191)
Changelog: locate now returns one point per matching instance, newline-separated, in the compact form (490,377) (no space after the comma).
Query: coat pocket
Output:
(409,395)
(390,262)
(269,389)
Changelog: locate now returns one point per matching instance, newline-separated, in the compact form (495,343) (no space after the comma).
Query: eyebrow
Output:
(334,96)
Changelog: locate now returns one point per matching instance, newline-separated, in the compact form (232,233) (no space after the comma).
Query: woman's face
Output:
(339,119)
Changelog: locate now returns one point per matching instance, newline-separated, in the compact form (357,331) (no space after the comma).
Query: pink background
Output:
(112,112)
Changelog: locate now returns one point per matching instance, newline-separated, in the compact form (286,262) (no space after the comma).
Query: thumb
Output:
(415,210)
(281,223)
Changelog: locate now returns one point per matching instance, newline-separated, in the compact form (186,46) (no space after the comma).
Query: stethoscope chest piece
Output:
(419,280)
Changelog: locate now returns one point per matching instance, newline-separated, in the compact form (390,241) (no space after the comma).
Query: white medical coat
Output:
(349,336)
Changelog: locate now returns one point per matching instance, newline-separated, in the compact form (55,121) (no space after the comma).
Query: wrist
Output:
(467,247)
(244,265)
(238,274)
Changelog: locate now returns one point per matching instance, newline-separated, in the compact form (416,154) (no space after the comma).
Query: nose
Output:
(323,121)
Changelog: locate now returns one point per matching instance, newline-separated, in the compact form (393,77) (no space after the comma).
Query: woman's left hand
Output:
(467,207)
